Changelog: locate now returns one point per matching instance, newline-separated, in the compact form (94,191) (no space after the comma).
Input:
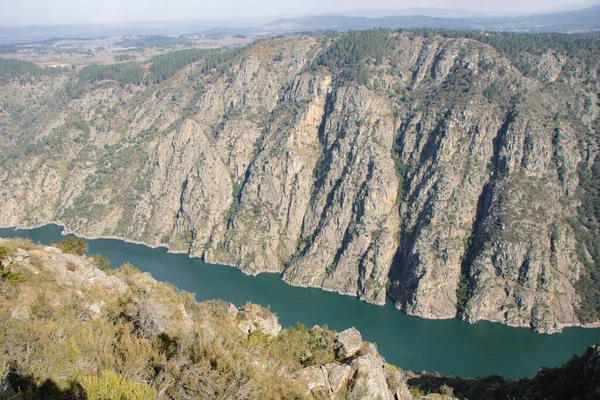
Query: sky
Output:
(76,12)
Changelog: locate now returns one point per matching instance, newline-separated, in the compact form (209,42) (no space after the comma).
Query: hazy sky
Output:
(54,12)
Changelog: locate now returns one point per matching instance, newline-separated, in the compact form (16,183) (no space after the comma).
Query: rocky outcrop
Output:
(358,373)
(446,177)
(252,318)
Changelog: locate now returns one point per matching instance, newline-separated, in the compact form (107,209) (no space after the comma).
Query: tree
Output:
(103,263)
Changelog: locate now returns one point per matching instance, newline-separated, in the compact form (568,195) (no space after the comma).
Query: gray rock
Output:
(254,317)
(338,376)
(313,376)
(348,343)
(21,313)
(370,381)
(232,310)
(20,256)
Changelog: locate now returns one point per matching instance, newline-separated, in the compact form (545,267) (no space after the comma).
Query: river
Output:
(450,347)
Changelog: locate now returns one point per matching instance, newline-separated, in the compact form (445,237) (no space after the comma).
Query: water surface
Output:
(450,347)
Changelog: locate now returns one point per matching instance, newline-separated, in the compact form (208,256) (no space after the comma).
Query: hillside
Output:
(452,171)
(72,328)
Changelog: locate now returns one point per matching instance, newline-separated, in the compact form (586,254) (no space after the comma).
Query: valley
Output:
(452,172)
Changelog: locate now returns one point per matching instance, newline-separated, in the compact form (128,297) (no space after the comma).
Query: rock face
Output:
(443,176)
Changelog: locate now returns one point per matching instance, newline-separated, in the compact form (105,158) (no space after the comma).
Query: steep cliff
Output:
(442,171)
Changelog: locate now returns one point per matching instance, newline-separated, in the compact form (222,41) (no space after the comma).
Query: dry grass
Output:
(64,343)
(12,245)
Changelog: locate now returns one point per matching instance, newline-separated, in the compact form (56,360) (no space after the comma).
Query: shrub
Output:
(72,246)
(112,386)
(417,392)
(103,263)
(12,277)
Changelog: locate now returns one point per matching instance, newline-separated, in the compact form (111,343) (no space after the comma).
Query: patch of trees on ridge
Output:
(162,67)
(11,68)
(130,73)
(165,66)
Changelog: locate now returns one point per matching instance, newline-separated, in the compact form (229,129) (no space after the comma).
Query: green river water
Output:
(450,347)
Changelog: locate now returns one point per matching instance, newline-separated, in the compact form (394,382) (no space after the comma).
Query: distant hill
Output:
(565,21)
(587,19)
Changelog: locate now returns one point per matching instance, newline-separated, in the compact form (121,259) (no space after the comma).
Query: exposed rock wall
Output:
(446,182)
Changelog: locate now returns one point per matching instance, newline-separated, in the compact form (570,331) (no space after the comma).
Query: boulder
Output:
(347,343)
(21,313)
(20,256)
(313,376)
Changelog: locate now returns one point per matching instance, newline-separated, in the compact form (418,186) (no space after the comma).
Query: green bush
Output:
(103,263)
(12,278)
(72,246)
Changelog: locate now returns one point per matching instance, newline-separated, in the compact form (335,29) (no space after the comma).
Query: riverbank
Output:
(66,231)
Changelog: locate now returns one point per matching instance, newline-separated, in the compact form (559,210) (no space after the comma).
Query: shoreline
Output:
(66,231)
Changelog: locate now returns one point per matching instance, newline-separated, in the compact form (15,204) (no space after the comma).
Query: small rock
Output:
(348,343)
(246,327)
(21,313)
(188,323)
(95,309)
(20,256)
(232,309)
